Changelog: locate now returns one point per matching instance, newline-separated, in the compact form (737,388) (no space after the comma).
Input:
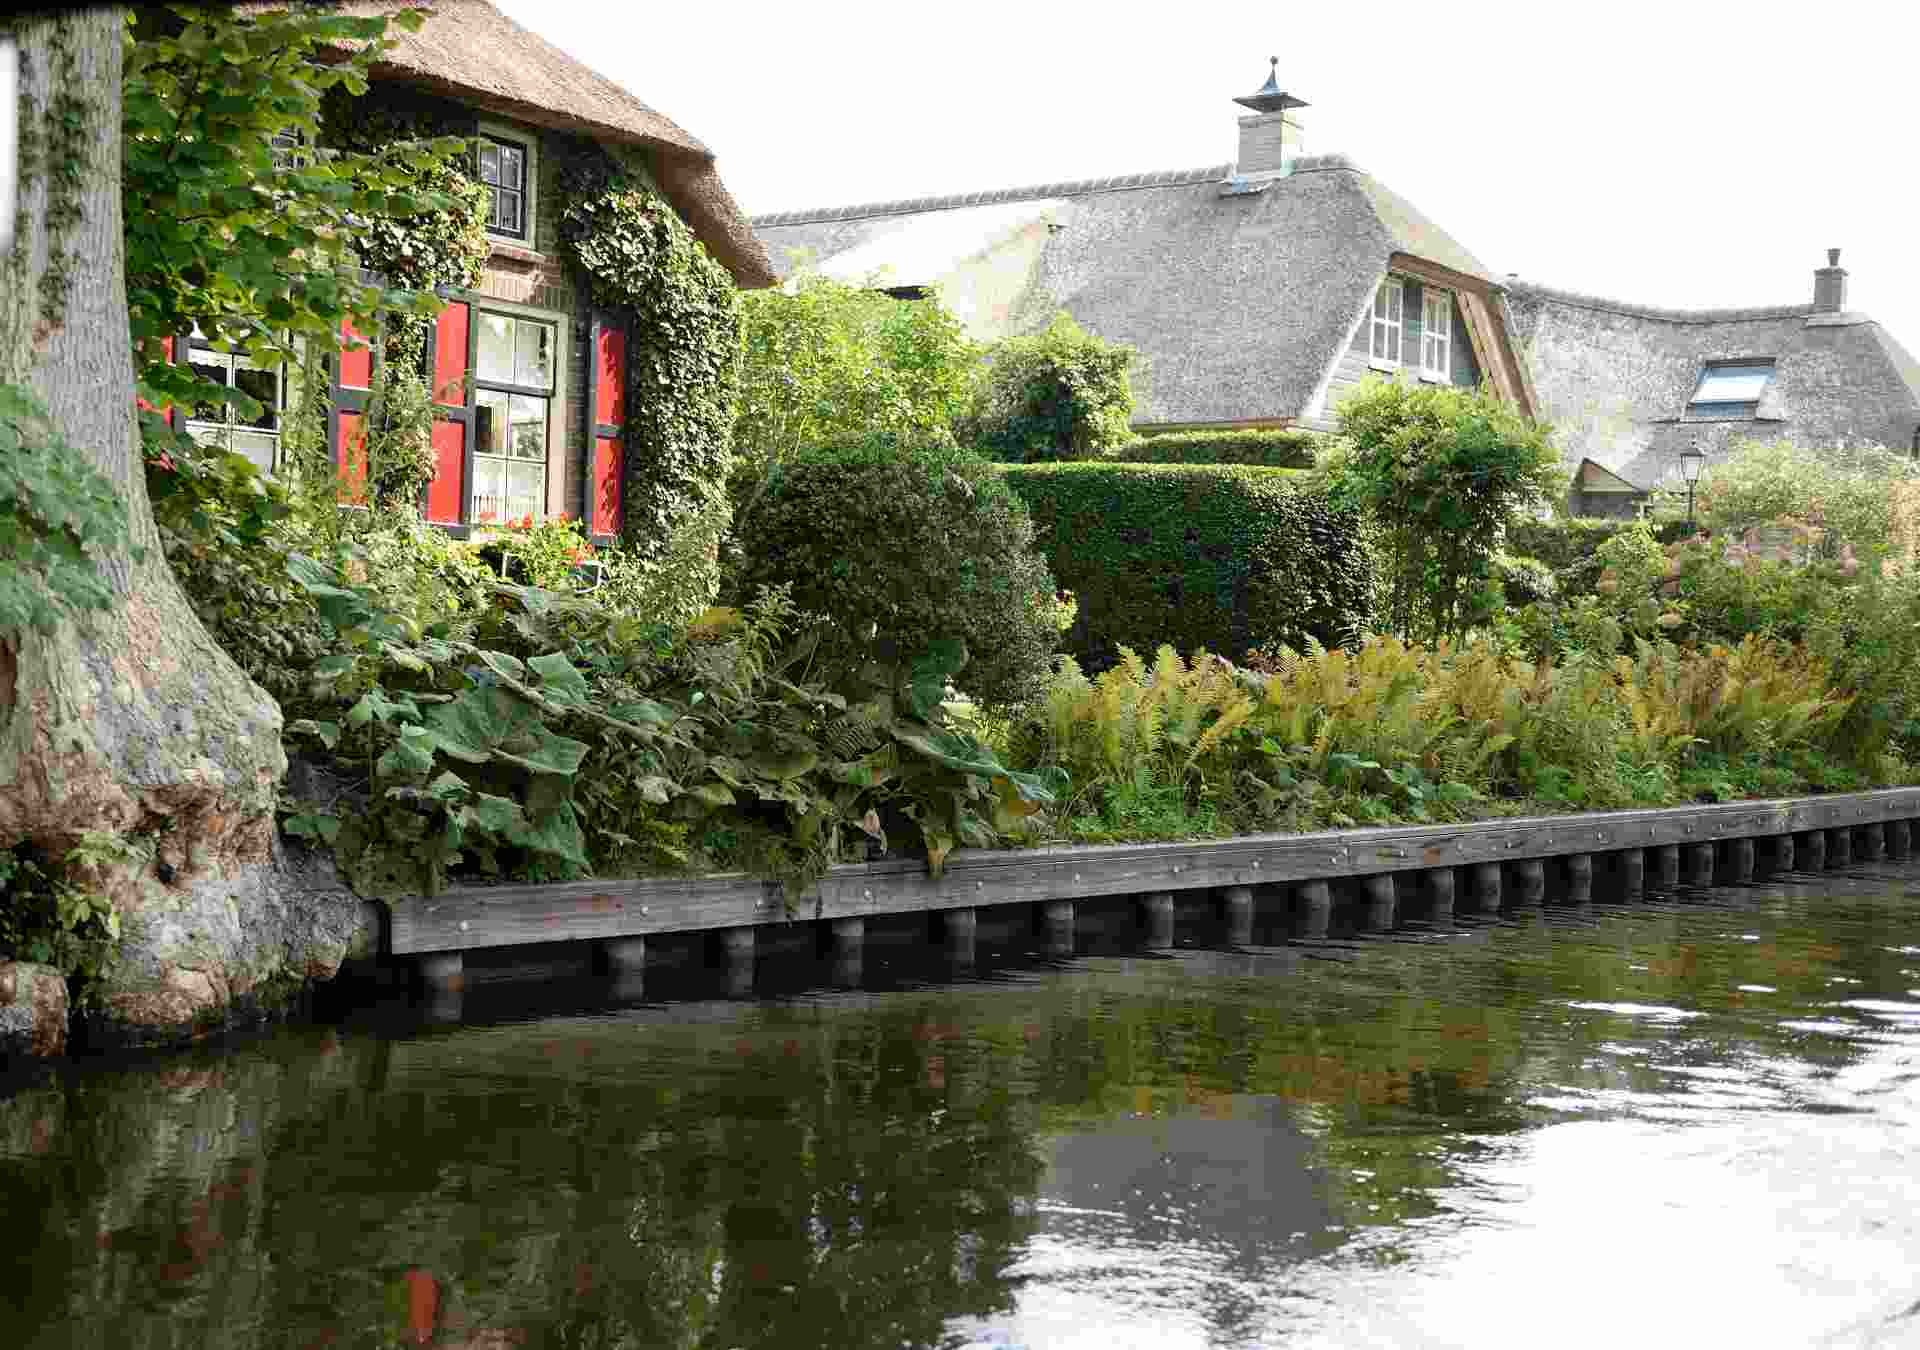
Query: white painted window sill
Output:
(1387,367)
(1429,377)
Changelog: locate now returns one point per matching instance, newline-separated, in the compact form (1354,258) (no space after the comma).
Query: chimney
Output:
(1269,138)
(1830,285)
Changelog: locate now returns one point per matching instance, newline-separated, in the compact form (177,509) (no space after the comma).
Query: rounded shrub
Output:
(913,541)
(1226,557)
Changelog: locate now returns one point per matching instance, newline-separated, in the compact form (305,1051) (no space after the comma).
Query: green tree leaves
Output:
(57,515)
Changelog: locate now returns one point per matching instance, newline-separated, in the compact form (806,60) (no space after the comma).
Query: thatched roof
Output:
(1616,378)
(1240,294)
(469,51)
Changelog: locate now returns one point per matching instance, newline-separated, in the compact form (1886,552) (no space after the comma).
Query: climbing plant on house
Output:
(681,316)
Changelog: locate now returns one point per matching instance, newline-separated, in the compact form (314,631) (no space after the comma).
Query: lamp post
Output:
(1692,461)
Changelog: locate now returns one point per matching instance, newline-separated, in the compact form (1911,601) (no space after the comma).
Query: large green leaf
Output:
(560,683)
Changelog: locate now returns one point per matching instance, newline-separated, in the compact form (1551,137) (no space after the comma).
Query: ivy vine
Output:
(682,316)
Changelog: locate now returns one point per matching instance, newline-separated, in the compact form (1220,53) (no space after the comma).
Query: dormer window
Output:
(507,166)
(1731,389)
(1389,302)
(1436,333)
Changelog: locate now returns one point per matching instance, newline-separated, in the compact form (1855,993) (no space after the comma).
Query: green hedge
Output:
(1274,448)
(1226,557)
(1562,543)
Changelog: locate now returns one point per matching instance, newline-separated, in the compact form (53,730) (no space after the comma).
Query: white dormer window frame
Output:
(495,169)
(1387,323)
(1436,333)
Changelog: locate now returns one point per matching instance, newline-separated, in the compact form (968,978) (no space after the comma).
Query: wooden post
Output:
(1666,866)
(1839,848)
(1486,887)
(738,944)
(960,927)
(1740,859)
(1579,878)
(1316,908)
(1239,905)
(1530,881)
(1813,850)
(849,950)
(624,956)
(1899,839)
(1699,859)
(1059,923)
(443,972)
(1159,910)
(1381,901)
(1633,873)
(1873,842)
(1783,853)
(1440,893)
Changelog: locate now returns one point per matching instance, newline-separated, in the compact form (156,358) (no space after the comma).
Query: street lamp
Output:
(1692,460)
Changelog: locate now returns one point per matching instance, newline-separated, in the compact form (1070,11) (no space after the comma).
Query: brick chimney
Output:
(1270,137)
(1830,285)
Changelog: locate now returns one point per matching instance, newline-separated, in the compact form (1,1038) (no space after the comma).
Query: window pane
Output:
(489,162)
(513,169)
(489,491)
(529,427)
(496,349)
(1396,299)
(257,446)
(265,386)
(506,212)
(526,490)
(1380,302)
(533,346)
(208,366)
(1732,384)
(489,422)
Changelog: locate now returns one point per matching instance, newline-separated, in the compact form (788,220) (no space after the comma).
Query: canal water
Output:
(1691,1121)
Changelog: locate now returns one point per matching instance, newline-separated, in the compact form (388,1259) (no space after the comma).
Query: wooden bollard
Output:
(1381,901)
(1316,908)
(960,927)
(443,972)
(624,956)
(1699,859)
(1530,881)
(1058,917)
(1813,850)
(849,935)
(1740,859)
(1873,842)
(1633,873)
(1486,887)
(1579,878)
(1159,913)
(1783,853)
(1440,888)
(1899,839)
(1839,848)
(1666,866)
(1239,905)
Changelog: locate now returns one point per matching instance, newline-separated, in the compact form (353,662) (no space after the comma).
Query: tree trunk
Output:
(132,721)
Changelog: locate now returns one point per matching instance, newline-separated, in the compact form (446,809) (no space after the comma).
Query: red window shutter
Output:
(609,402)
(446,502)
(356,358)
(350,453)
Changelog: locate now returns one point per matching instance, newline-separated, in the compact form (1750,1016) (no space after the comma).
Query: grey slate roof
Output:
(1615,378)
(1238,301)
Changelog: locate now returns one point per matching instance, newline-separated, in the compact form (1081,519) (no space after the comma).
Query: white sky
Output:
(1673,152)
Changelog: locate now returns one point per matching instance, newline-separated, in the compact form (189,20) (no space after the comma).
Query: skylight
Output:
(1731,383)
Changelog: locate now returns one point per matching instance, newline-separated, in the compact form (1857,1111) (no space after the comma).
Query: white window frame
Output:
(221,433)
(1386,323)
(1436,333)
(554,452)
(526,140)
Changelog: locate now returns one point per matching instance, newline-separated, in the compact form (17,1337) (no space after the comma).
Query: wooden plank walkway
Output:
(612,911)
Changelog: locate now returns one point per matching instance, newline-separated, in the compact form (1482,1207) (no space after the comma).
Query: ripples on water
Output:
(1692,1123)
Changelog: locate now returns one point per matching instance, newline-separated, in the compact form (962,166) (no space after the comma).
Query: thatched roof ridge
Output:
(1580,300)
(469,51)
(1080,187)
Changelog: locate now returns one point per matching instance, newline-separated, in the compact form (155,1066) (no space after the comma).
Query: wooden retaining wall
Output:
(1475,865)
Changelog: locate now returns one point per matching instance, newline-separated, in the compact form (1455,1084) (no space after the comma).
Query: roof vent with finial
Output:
(1270,97)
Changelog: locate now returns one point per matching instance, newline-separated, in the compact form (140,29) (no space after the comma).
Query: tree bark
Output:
(133,721)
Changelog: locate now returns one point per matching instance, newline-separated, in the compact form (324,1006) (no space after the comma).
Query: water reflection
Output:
(1441,1136)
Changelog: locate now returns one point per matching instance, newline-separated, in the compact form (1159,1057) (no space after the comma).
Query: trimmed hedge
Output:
(1562,543)
(1226,557)
(1276,448)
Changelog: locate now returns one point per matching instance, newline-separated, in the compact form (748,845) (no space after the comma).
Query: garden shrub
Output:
(1062,393)
(1225,557)
(1860,496)
(1274,448)
(1444,472)
(915,541)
